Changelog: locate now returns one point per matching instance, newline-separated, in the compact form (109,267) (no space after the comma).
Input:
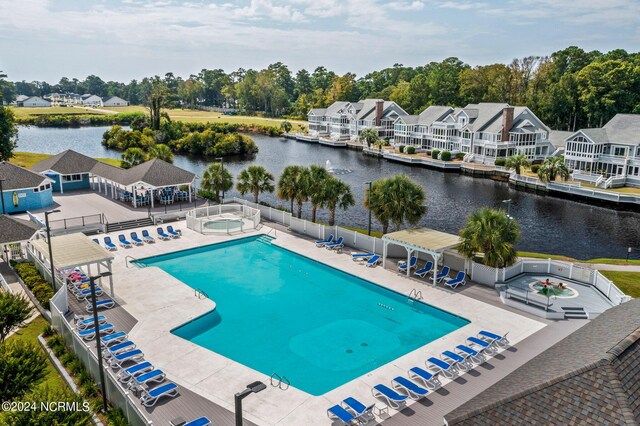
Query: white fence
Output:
(4,285)
(118,396)
(198,218)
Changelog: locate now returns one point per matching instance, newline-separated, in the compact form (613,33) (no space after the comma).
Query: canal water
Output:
(548,224)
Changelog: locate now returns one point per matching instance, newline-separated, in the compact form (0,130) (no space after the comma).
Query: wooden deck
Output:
(187,405)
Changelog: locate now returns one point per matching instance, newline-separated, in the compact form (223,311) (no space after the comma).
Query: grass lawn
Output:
(30,334)
(623,190)
(25,112)
(629,282)
(545,256)
(602,260)
(27,159)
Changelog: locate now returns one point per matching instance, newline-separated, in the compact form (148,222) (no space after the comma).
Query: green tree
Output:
(396,199)
(370,136)
(286,126)
(291,186)
(22,366)
(337,194)
(254,180)
(131,157)
(376,199)
(80,417)
(491,233)
(553,167)
(8,132)
(517,162)
(216,179)
(162,152)
(318,177)
(14,311)
(156,100)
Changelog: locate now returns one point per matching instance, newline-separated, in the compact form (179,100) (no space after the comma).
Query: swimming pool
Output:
(280,312)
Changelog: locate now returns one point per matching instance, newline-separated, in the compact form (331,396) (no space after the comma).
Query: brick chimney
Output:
(507,122)
(380,109)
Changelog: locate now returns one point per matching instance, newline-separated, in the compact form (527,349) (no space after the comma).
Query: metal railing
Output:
(79,221)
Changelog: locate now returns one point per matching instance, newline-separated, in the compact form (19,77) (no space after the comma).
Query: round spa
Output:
(565,293)
(223,224)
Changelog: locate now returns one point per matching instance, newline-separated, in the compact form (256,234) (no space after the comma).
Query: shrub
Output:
(22,366)
(75,367)
(434,154)
(401,148)
(90,390)
(501,161)
(428,152)
(116,417)
(535,168)
(48,331)
(460,155)
(66,358)
(411,150)
(84,377)
(445,156)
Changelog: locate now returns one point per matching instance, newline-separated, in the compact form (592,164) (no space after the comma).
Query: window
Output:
(42,188)
(71,178)
(619,151)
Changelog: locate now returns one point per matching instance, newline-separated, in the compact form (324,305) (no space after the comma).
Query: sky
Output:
(121,40)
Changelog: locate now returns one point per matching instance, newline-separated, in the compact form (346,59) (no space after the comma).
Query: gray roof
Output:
(483,114)
(558,138)
(318,111)
(591,377)
(624,129)
(596,135)
(13,230)
(409,119)
(433,113)
(335,107)
(66,163)
(157,173)
(368,108)
(21,98)
(16,177)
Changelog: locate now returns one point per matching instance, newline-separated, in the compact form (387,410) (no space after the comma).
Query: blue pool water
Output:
(279,312)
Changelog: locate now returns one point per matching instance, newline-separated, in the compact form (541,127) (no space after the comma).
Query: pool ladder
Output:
(278,381)
(199,293)
(415,295)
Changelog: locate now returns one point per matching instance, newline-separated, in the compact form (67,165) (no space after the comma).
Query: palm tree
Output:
(376,200)
(370,136)
(216,178)
(517,162)
(286,126)
(162,152)
(553,167)
(491,232)
(337,194)
(396,199)
(132,157)
(318,177)
(255,179)
(290,186)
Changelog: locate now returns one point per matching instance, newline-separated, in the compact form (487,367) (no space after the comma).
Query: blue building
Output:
(23,189)
(68,170)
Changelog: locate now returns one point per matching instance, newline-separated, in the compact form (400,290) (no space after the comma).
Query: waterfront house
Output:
(611,153)
(114,101)
(32,102)
(91,100)
(484,132)
(23,189)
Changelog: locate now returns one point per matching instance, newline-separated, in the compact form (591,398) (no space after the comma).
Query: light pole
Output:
(370,184)
(195,193)
(221,175)
(4,211)
(254,387)
(628,253)
(92,286)
(508,202)
(53,275)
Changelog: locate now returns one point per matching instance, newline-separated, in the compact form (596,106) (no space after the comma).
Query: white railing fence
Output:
(198,218)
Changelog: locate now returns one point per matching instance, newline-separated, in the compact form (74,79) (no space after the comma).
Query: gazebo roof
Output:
(423,239)
(72,250)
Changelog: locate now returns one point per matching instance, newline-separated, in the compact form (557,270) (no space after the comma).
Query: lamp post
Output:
(254,387)
(53,275)
(195,193)
(628,253)
(370,183)
(222,176)
(92,286)
(4,211)
(508,202)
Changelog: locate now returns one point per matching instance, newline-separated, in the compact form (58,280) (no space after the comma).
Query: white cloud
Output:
(406,5)
(457,5)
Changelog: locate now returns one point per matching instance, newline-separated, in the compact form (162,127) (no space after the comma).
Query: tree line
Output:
(569,89)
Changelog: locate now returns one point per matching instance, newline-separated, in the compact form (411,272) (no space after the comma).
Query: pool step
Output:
(265,239)
(574,313)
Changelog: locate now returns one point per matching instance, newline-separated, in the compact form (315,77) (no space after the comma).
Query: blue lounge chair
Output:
(150,397)
(117,349)
(90,333)
(95,240)
(83,294)
(335,246)
(173,233)
(143,381)
(361,256)
(126,374)
(431,381)
(444,273)
(469,353)
(412,390)
(162,235)
(118,337)
(137,241)
(109,245)
(458,280)
(402,266)
(424,271)
(123,242)
(441,367)
(358,409)
(82,323)
(373,261)
(105,303)
(202,421)
(501,341)
(391,397)
(147,238)
(321,243)
(337,412)
(117,361)
(459,361)
(480,345)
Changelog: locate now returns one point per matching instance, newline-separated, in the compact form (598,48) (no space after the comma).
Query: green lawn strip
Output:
(546,256)
(628,282)
(602,260)
(28,159)
(608,261)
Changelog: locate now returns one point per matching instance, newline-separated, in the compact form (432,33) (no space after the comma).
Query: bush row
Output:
(40,288)
(78,120)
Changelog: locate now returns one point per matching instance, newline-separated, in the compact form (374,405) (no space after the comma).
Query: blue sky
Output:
(126,39)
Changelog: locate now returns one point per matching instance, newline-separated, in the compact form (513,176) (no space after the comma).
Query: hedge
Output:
(401,148)
(40,288)
(535,168)
(500,161)
(435,153)
(445,156)
(411,150)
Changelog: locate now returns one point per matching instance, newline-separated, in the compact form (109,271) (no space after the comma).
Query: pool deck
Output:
(159,303)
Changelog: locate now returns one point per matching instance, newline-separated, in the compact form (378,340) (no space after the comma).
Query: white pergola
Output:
(423,240)
(74,250)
